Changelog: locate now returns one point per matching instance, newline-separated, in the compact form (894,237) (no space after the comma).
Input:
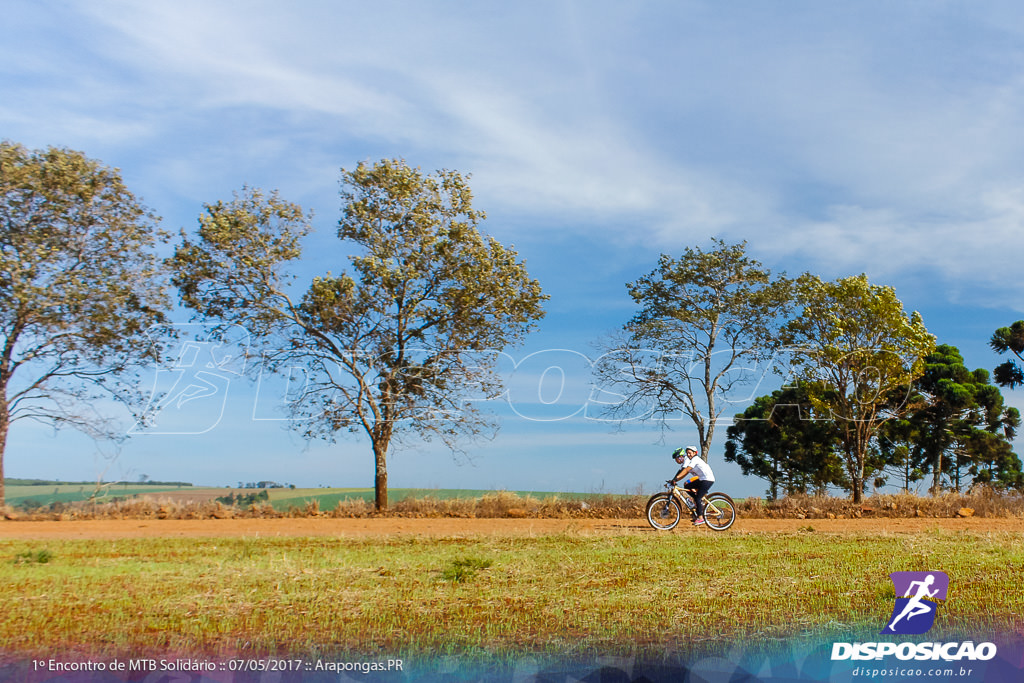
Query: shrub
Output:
(464,568)
(33,557)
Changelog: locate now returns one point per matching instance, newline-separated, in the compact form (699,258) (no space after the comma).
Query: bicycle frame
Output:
(664,509)
(682,495)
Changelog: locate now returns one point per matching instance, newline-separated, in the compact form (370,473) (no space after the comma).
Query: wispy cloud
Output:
(846,139)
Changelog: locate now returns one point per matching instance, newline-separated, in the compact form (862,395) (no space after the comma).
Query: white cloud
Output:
(969,254)
(853,140)
(524,117)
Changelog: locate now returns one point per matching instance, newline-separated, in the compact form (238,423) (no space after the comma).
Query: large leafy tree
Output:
(705,320)
(80,287)
(779,438)
(1009,339)
(993,460)
(855,339)
(958,424)
(899,449)
(395,346)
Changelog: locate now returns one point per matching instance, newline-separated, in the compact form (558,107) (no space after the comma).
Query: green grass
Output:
(33,557)
(464,568)
(560,595)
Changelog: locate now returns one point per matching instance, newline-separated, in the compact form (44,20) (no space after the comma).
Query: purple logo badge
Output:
(917,596)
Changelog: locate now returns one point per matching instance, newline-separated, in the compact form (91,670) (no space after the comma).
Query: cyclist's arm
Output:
(681,474)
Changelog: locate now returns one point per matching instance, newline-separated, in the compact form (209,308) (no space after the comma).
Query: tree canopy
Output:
(855,339)
(780,439)
(398,344)
(704,320)
(957,424)
(1009,339)
(80,287)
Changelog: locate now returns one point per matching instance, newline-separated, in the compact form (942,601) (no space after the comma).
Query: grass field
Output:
(488,597)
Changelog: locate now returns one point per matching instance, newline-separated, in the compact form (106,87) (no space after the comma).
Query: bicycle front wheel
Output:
(663,512)
(719,511)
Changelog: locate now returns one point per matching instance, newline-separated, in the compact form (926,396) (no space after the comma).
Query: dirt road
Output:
(391,526)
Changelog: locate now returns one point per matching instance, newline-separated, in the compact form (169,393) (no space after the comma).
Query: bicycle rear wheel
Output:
(663,512)
(719,512)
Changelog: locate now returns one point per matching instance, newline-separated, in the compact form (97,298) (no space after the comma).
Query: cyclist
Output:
(699,475)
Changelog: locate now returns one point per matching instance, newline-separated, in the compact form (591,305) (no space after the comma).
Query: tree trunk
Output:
(854,452)
(857,475)
(775,479)
(954,473)
(380,484)
(4,425)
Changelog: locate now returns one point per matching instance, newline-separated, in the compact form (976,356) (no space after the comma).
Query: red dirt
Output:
(392,526)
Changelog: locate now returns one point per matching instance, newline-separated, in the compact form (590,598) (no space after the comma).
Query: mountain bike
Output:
(665,509)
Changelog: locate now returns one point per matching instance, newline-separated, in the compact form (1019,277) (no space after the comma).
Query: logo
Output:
(190,390)
(917,598)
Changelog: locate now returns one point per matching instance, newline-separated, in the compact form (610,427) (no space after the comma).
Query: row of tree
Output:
(390,346)
(953,425)
(867,394)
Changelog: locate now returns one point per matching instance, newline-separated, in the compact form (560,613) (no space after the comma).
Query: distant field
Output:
(68,493)
(328,499)
(280,499)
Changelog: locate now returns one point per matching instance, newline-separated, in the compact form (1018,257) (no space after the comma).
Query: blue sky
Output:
(840,138)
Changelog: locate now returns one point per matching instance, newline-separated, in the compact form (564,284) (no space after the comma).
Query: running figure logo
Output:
(914,612)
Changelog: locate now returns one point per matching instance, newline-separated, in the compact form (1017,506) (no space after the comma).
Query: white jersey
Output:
(699,467)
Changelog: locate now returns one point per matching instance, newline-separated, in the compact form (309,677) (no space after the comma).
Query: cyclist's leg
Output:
(692,492)
(701,489)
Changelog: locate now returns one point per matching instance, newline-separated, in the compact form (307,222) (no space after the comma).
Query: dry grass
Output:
(503,504)
(982,502)
(564,595)
(493,505)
